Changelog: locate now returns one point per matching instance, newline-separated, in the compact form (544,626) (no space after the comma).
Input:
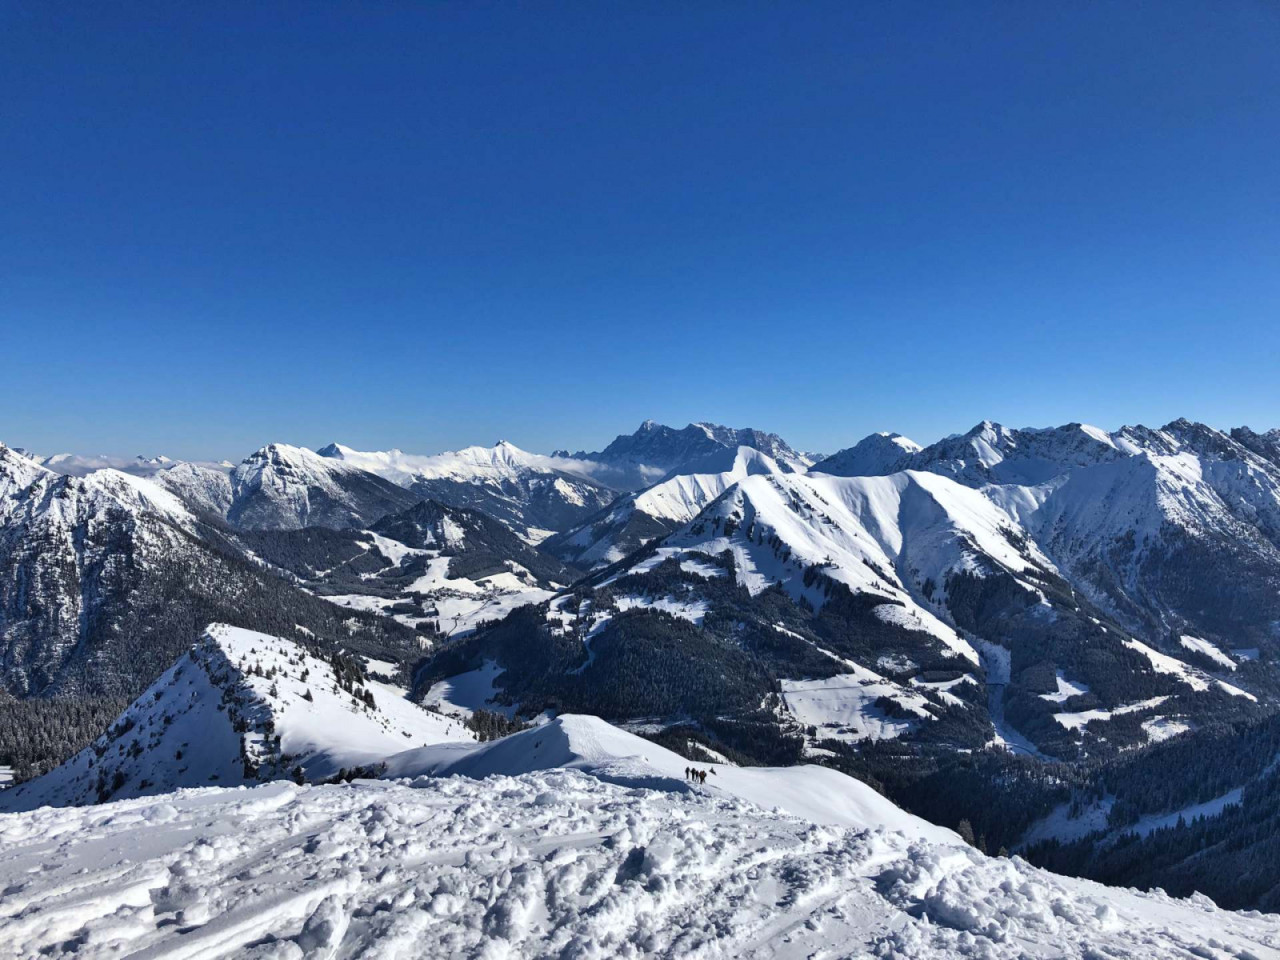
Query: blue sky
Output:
(429,225)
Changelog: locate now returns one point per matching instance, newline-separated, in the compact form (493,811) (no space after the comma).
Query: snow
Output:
(141,494)
(1163,663)
(1059,824)
(1197,680)
(1234,690)
(461,614)
(393,550)
(861,531)
(693,611)
(285,487)
(1149,824)
(1209,650)
(1077,721)
(182,731)
(1164,728)
(461,604)
(877,454)
(997,666)
(702,569)
(466,693)
(943,688)
(502,461)
(1066,690)
(843,707)
(676,499)
(557,862)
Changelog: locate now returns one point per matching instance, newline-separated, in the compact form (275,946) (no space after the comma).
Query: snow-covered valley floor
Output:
(552,863)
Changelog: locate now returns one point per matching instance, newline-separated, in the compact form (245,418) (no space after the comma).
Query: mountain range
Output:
(392,829)
(1016,620)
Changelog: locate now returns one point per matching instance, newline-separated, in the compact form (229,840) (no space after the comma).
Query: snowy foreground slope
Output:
(569,839)
(551,863)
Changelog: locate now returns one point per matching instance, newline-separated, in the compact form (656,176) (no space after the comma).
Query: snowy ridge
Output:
(241,707)
(531,493)
(204,489)
(25,486)
(592,746)
(17,472)
(863,532)
(502,461)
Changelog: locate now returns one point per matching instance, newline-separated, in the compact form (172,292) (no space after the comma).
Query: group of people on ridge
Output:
(697,776)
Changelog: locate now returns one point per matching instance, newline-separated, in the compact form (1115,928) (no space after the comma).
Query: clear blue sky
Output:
(432,224)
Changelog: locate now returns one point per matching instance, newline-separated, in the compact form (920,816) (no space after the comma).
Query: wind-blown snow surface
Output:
(552,863)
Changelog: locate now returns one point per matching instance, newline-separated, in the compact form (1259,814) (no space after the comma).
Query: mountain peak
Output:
(657,449)
(872,456)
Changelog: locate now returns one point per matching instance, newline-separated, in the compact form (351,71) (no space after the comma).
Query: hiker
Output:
(688,773)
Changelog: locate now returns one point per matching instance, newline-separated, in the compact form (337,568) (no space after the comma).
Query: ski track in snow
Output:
(552,863)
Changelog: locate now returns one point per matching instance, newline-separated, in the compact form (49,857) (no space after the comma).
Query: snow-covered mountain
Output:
(104,577)
(637,518)
(656,450)
(205,490)
(581,841)
(1061,559)
(241,707)
(873,456)
(533,494)
(1170,531)
(281,487)
(989,453)
(434,568)
(469,536)
(78,465)
(277,487)
(1265,445)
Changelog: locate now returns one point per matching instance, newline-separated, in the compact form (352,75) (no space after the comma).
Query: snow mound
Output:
(590,745)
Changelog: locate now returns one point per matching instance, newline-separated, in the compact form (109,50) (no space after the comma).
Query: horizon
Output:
(235,458)
(422,227)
